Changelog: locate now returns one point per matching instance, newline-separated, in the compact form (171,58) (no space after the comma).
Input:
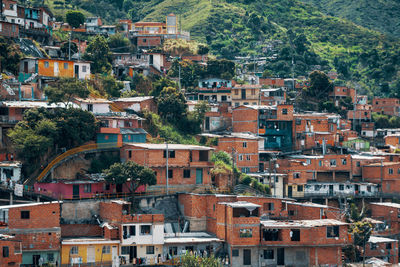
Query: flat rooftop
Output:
(302,223)
(170,146)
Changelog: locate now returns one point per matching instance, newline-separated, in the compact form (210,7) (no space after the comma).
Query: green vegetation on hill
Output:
(382,16)
(281,30)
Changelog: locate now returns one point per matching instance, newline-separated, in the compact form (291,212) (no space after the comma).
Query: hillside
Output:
(383,15)
(284,29)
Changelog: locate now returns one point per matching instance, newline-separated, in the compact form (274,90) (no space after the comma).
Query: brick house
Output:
(311,129)
(303,242)
(383,248)
(273,96)
(218,118)
(40,237)
(188,165)
(389,214)
(137,104)
(11,250)
(246,94)
(387,174)
(341,92)
(273,123)
(140,235)
(8,29)
(386,106)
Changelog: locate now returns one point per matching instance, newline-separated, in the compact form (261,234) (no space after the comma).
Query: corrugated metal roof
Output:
(302,223)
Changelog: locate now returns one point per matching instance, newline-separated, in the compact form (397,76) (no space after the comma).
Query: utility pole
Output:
(167,155)
(69,46)
(179,64)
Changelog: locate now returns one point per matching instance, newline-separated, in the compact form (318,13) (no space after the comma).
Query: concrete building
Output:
(40,237)
(188,165)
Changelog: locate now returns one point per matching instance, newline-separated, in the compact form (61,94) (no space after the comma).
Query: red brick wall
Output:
(40,216)
(77,230)
(394,259)
(39,241)
(13,257)
(388,214)
(7,29)
(149,41)
(244,119)
(321,256)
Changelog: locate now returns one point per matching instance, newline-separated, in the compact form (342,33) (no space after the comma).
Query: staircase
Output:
(69,154)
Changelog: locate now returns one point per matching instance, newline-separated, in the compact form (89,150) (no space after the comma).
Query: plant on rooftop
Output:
(190,260)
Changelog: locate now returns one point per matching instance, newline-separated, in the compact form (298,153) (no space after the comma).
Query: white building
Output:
(94,105)
(10,173)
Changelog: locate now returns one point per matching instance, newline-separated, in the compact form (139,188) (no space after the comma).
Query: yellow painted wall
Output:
(49,72)
(82,252)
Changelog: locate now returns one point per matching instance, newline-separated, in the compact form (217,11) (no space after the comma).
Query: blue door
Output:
(199,176)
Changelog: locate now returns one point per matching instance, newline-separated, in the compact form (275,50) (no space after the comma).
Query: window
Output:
(125,250)
(145,230)
(235,253)
(6,252)
(248,157)
(358,164)
(244,144)
(341,187)
(170,174)
(90,107)
(74,250)
(268,206)
(373,246)
(25,214)
(50,257)
(84,68)
(173,251)
(295,235)
(186,173)
(240,157)
(332,231)
(46,64)
(390,171)
(272,235)
(296,175)
(171,154)
(87,188)
(299,188)
(106,250)
(149,250)
(244,233)
(320,163)
(237,93)
(65,66)
(130,154)
(223,98)
(284,111)
(268,254)
(389,246)
(344,161)
(333,162)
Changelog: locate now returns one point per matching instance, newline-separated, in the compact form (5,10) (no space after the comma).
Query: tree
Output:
(65,90)
(10,55)
(179,47)
(111,86)
(130,172)
(202,49)
(189,260)
(160,84)
(171,105)
(29,143)
(119,43)
(65,48)
(99,53)
(189,72)
(320,86)
(75,18)
(221,156)
(218,67)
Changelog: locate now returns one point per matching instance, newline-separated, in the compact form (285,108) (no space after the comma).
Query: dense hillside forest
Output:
(382,16)
(281,30)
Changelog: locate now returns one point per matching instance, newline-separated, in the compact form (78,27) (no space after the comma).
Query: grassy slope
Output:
(380,15)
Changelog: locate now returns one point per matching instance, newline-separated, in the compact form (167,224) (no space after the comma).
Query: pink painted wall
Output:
(61,190)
